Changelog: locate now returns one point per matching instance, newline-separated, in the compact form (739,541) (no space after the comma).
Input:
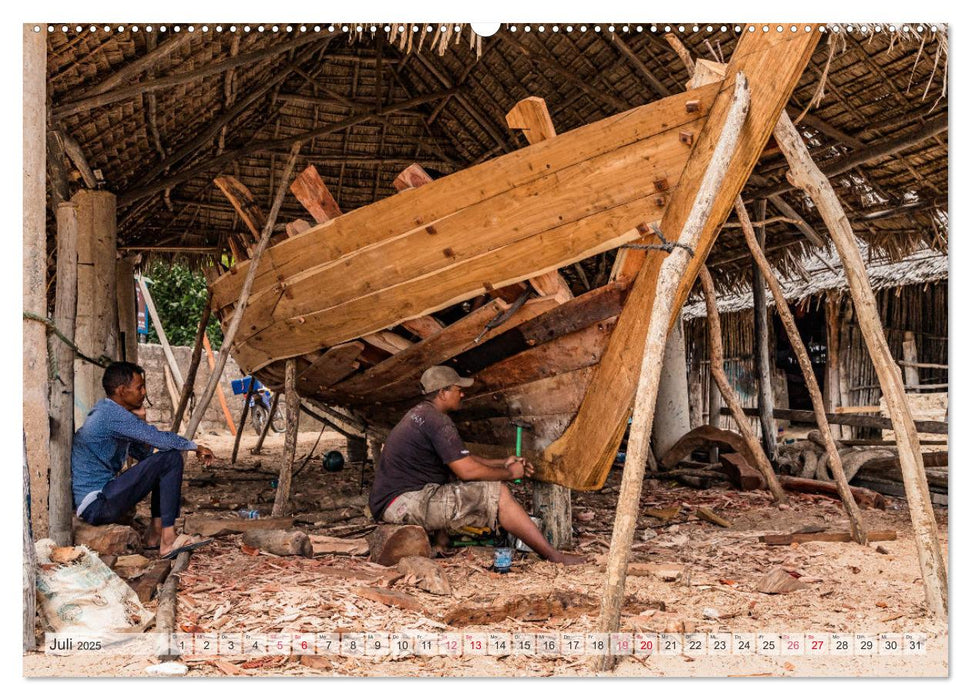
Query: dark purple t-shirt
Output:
(417,453)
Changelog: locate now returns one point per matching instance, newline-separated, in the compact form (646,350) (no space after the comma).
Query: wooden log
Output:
(323,544)
(168,600)
(911,376)
(106,539)
(533,118)
(552,503)
(862,497)
(244,203)
(190,378)
(219,389)
(812,385)
(670,272)
(430,576)
(36,424)
(391,543)
(242,418)
(274,403)
(309,189)
(229,334)
(741,473)
(831,386)
(807,176)
(148,583)
(800,537)
(716,356)
(762,361)
(219,527)
(585,452)
(283,543)
(281,501)
(62,386)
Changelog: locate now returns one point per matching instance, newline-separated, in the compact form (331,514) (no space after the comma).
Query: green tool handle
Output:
(519,448)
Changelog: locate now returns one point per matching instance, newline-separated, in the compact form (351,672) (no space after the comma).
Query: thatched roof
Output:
(368,105)
(823,273)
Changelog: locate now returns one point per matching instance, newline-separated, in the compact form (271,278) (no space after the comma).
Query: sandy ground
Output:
(849,588)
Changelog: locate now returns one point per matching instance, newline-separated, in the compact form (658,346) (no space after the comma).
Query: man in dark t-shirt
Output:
(414,479)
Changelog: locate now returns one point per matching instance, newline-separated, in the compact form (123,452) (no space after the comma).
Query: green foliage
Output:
(180,295)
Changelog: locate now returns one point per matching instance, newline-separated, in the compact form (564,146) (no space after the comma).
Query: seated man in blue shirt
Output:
(113,430)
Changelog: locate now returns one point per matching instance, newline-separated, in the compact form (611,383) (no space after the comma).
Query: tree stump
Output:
(280,542)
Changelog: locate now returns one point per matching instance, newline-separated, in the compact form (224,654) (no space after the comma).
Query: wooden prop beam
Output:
(162,338)
(242,418)
(244,203)
(210,358)
(582,457)
(480,229)
(230,334)
(190,378)
(763,363)
(281,501)
(727,131)
(257,449)
(309,189)
(717,358)
(533,118)
(808,177)
(62,386)
(802,356)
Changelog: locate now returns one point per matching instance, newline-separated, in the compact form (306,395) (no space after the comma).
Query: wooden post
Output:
(269,422)
(763,365)
(831,386)
(911,374)
(230,335)
(190,378)
(162,339)
(717,357)
(714,403)
(551,502)
(281,503)
(672,415)
(62,386)
(807,176)
(35,379)
(795,340)
(242,418)
(127,314)
(219,389)
(669,278)
(29,562)
(96,330)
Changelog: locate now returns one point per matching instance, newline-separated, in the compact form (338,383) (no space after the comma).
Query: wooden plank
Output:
(773,63)
(388,341)
(424,327)
(309,189)
(149,582)
(533,118)
(405,367)
(452,194)
(460,257)
(217,527)
(244,203)
(932,427)
(800,537)
(332,366)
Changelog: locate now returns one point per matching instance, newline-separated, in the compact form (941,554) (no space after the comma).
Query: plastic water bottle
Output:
(248,514)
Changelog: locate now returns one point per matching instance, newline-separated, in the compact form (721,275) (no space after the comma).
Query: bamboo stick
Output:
(281,501)
(807,176)
(669,278)
(815,395)
(269,422)
(242,418)
(190,379)
(718,374)
(244,293)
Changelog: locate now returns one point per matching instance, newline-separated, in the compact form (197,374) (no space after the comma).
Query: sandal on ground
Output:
(184,543)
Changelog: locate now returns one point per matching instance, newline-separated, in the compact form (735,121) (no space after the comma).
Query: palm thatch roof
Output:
(155,115)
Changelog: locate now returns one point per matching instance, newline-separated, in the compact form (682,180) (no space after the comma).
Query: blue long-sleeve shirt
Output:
(110,433)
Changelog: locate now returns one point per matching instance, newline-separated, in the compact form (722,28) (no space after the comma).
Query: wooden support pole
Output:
(672,415)
(127,314)
(219,389)
(763,365)
(269,422)
(668,280)
(281,502)
(807,176)
(168,600)
(717,357)
(242,418)
(799,348)
(29,561)
(831,386)
(36,421)
(911,376)
(190,378)
(96,328)
(714,408)
(62,386)
(230,335)
(162,338)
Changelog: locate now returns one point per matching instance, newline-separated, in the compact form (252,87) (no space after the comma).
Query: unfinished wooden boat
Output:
(463,270)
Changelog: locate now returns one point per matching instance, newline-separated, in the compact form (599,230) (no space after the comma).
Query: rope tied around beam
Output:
(102,361)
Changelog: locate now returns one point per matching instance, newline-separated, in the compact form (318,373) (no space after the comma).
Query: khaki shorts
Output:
(447,506)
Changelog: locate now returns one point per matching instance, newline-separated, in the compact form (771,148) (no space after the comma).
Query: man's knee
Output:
(171,461)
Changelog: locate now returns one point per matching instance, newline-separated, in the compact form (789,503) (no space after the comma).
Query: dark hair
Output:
(119,374)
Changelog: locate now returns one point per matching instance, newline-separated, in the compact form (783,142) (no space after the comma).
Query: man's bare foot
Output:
(152,541)
(568,559)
